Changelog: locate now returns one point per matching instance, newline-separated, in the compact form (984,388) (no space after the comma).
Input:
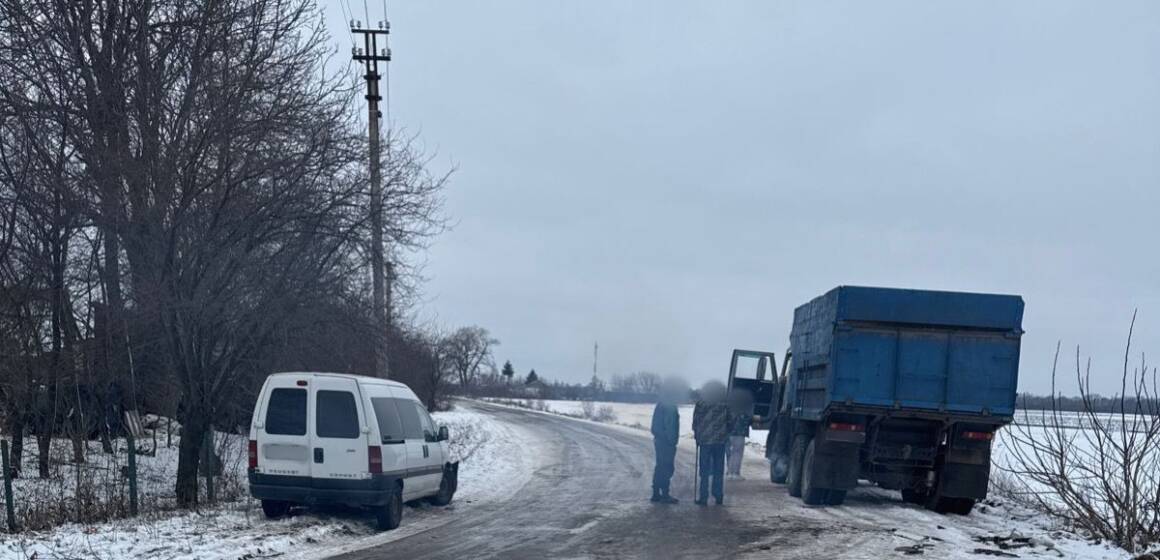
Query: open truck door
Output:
(754,374)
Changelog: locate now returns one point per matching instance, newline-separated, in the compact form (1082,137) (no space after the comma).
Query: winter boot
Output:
(656,497)
(667,499)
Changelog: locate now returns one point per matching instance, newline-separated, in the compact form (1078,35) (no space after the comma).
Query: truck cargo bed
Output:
(907,349)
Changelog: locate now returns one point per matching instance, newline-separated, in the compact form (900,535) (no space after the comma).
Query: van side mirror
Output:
(444,433)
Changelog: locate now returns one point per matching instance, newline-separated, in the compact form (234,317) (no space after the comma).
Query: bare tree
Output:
(468,351)
(1099,472)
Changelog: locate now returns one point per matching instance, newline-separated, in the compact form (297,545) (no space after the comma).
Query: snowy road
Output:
(587,498)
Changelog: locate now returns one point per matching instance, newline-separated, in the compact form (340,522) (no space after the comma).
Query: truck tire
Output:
(797,452)
(918,497)
(836,498)
(810,493)
(957,506)
(390,515)
(275,509)
(778,468)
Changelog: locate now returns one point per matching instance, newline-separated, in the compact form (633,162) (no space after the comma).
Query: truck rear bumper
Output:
(374,491)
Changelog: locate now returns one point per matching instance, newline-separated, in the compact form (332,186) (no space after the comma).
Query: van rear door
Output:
(283,442)
(338,431)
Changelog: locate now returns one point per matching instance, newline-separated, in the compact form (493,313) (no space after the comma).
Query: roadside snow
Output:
(493,466)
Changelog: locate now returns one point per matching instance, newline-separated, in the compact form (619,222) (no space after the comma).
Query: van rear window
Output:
(390,426)
(286,412)
(337,416)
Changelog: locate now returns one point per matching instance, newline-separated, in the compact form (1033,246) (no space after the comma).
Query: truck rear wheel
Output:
(957,506)
(836,497)
(797,453)
(810,493)
(778,468)
(918,497)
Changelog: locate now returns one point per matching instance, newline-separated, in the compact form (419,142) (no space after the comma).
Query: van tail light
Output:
(979,436)
(253,454)
(375,459)
(843,427)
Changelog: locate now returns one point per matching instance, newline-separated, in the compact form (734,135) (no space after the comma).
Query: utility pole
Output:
(595,356)
(370,56)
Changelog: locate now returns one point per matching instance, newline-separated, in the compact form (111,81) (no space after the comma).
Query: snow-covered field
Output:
(492,466)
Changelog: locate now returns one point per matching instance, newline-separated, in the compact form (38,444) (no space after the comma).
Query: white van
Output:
(332,438)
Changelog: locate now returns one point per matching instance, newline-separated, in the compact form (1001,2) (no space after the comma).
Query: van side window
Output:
(428,424)
(409,413)
(286,412)
(336,415)
(387,414)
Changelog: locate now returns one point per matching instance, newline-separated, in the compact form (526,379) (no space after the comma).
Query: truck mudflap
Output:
(836,465)
(959,480)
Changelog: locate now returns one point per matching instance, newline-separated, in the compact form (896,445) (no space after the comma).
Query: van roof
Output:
(360,378)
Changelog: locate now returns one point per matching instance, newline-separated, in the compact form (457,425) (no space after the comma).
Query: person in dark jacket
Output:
(711,429)
(665,430)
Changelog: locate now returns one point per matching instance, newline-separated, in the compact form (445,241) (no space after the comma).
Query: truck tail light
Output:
(843,427)
(253,449)
(979,436)
(375,459)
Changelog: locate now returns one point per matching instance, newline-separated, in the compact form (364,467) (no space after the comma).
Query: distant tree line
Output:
(1090,403)
(637,387)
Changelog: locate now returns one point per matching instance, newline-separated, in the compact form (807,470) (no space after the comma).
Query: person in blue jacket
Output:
(665,430)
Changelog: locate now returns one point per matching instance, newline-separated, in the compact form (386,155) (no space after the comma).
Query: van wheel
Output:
(275,509)
(797,453)
(390,515)
(811,494)
(446,490)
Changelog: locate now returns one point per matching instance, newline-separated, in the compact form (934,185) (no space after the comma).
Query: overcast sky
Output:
(671,178)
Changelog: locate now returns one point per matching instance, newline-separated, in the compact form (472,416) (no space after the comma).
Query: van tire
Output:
(275,509)
(797,453)
(811,494)
(390,515)
(446,490)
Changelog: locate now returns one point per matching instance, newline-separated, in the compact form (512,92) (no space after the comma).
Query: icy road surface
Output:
(588,498)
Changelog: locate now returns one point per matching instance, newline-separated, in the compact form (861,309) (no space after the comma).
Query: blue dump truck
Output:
(901,388)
